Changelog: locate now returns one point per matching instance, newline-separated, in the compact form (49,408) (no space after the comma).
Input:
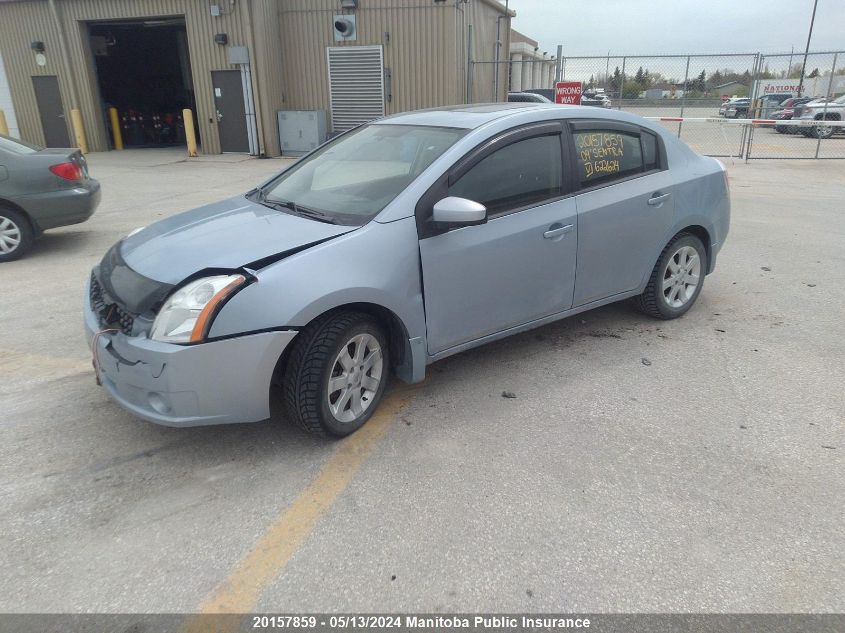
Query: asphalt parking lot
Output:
(692,465)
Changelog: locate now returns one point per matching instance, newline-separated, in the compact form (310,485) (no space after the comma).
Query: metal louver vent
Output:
(356,85)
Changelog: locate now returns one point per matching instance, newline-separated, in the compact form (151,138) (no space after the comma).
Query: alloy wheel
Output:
(355,378)
(823,131)
(681,277)
(10,236)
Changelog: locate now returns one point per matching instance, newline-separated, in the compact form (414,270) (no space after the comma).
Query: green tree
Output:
(632,89)
(699,84)
(615,83)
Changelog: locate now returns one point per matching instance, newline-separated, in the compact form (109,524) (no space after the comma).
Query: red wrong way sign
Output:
(568,92)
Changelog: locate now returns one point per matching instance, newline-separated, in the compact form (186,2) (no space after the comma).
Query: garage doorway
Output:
(144,70)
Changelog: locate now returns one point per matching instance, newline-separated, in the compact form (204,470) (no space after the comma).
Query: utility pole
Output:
(807,49)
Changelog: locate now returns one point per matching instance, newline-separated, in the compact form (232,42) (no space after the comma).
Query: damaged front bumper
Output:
(217,382)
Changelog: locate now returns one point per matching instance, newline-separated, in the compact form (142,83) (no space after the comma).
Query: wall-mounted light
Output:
(38,47)
(222,39)
(349,4)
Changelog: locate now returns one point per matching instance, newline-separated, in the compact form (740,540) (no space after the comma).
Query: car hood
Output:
(225,235)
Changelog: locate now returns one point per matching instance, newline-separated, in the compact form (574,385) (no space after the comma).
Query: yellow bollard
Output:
(190,134)
(78,130)
(115,129)
(4,127)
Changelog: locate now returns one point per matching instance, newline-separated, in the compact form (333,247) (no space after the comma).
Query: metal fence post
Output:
(622,82)
(684,97)
(470,64)
(747,139)
(827,95)
(559,63)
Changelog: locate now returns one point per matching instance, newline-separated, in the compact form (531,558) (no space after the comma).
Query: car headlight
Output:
(187,314)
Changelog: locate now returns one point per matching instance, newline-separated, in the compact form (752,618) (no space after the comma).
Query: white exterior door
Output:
(6,102)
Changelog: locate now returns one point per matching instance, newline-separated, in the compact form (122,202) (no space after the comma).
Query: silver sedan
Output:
(395,245)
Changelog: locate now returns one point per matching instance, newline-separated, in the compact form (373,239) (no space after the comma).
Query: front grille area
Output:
(110,315)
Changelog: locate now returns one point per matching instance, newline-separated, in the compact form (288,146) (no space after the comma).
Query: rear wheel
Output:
(821,131)
(336,373)
(676,280)
(16,234)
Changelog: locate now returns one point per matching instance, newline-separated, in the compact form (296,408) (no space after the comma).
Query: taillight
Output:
(68,171)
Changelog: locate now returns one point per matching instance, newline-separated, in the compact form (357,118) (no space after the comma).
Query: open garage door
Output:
(144,70)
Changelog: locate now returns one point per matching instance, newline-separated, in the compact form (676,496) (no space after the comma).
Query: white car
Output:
(823,111)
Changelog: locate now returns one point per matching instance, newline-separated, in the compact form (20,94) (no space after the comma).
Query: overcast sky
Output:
(592,27)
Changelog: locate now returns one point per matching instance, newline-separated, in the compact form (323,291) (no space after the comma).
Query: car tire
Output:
(670,291)
(16,234)
(344,349)
(822,131)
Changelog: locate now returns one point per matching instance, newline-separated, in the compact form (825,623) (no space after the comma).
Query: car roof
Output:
(475,115)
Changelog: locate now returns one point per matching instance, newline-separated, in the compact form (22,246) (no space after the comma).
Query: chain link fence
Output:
(697,89)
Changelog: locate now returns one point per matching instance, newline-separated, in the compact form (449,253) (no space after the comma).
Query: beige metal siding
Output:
(483,17)
(420,50)
(267,71)
(424,47)
(22,22)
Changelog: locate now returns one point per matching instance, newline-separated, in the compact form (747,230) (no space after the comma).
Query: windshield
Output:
(17,147)
(351,179)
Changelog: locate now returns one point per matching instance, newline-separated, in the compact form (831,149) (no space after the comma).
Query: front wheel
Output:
(336,373)
(676,280)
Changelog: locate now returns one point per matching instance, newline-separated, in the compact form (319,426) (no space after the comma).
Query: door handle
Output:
(556,230)
(658,198)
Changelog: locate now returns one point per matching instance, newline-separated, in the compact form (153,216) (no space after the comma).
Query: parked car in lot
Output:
(527,97)
(40,189)
(767,104)
(786,112)
(726,104)
(823,111)
(596,99)
(394,245)
(548,93)
(736,108)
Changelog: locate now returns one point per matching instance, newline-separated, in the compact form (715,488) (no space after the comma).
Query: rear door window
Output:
(605,155)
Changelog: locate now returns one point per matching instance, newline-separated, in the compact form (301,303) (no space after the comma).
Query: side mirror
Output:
(454,210)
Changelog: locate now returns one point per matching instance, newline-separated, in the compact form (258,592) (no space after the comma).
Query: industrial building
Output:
(243,67)
(530,68)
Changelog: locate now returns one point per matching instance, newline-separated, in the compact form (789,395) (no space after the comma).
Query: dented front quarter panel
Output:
(378,264)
